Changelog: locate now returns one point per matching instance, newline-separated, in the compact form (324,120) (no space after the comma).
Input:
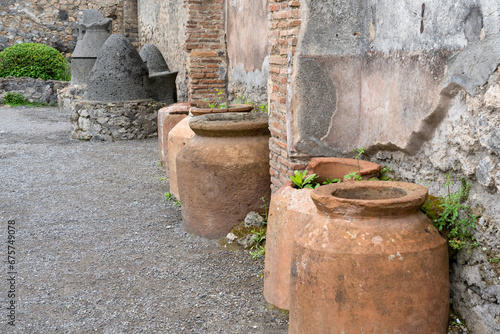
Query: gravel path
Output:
(98,250)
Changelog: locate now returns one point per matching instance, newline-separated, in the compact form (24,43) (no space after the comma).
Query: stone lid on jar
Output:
(369,198)
(231,124)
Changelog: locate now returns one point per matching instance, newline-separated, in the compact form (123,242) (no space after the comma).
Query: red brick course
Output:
(284,27)
(206,49)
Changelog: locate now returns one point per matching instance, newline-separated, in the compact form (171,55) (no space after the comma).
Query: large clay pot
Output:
(182,133)
(223,171)
(178,137)
(168,117)
(369,261)
(289,211)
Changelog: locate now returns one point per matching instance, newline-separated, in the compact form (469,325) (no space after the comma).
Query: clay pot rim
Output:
(230,124)
(412,198)
(238,107)
(367,168)
(179,108)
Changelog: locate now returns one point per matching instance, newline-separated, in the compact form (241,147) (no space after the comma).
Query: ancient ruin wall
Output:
(215,45)
(53,23)
(418,87)
(163,23)
(247,49)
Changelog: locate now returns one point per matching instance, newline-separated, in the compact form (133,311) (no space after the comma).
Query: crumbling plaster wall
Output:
(247,44)
(163,23)
(418,87)
(53,23)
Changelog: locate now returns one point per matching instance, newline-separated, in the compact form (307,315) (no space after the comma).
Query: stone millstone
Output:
(154,59)
(119,73)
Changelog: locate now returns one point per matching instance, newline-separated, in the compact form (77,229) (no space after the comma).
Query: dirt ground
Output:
(98,249)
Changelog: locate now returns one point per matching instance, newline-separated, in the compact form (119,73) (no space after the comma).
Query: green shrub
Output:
(34,61)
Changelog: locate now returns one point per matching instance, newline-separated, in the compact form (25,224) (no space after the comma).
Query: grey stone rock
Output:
(483,172)
(119,73)
(494,141)
(63,15)
(154,59)
(246,241)
(254,219)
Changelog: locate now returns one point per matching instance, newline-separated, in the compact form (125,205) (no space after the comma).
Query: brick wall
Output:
(206,49)
(284,28)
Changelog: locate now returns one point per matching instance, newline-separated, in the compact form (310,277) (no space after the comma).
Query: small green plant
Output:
(259,247)
(301,181)
(168,196)
(264,108)
(242,99)
(221,103)
(17,99)
(386,174)
(259,252)
(34,61)
(353,176)
(328,181)
(266,209)
(358,152)
(450,215)
(495,259)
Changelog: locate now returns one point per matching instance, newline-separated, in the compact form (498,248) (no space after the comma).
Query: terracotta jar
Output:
(177,139)
(289,211)
(369,261)
(168,117)
(223,171)
(182,133)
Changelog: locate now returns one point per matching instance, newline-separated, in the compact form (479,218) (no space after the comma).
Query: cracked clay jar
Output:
(369,261)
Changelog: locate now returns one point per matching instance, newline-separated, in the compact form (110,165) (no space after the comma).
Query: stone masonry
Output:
(35,90)
(53,23)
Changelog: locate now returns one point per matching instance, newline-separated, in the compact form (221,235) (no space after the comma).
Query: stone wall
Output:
(53,23)
(121,120)
(417,86)
(35,90)
(163,23)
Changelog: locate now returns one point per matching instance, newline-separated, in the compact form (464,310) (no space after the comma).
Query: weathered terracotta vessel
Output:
(182,133)
(223,171)
(369,261)
(168,117)
(178,137)
(289,211)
